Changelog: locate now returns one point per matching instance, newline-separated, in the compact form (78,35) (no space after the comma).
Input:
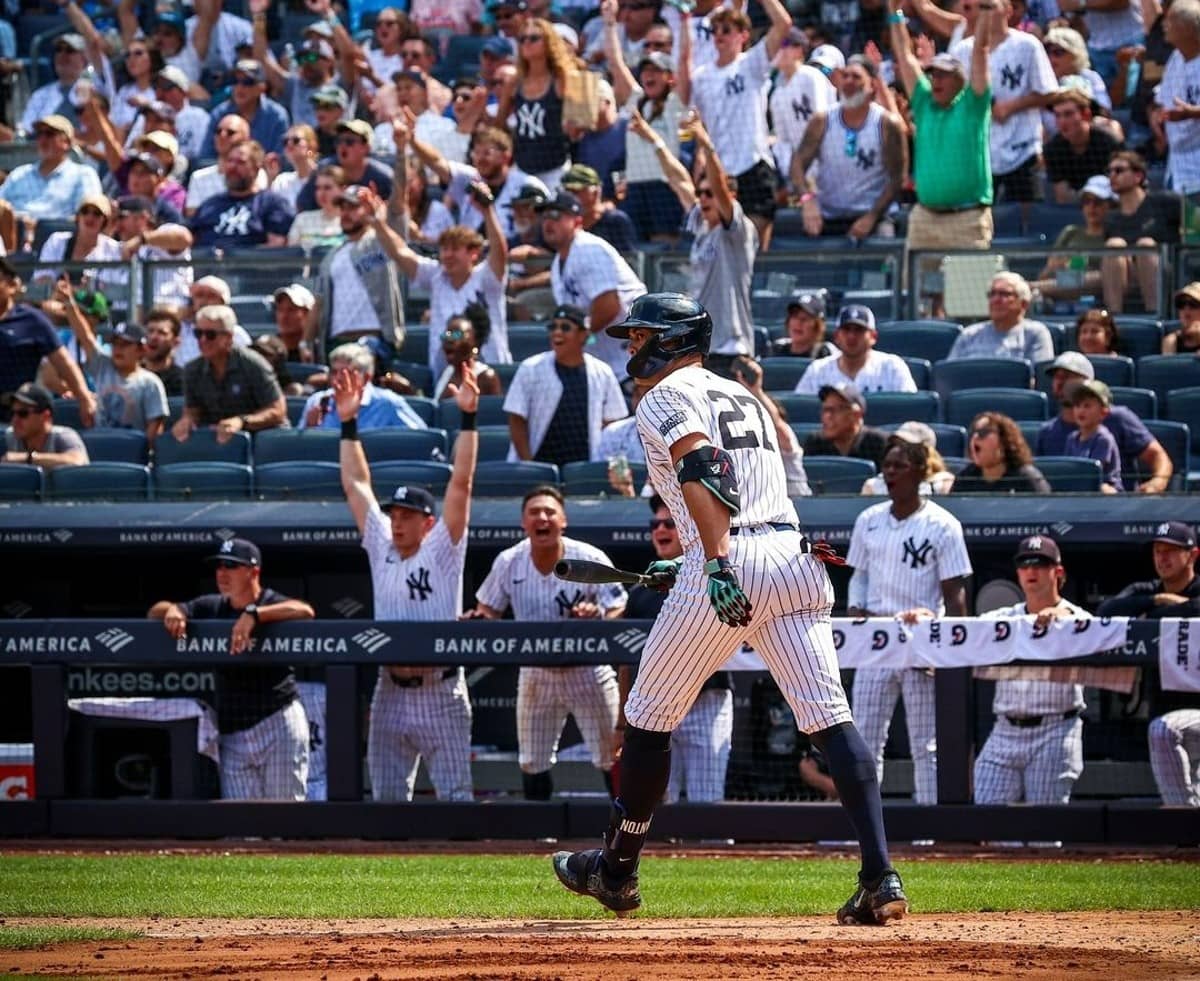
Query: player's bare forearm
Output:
(289,609)
(711,517)
(954,594)
(356,480)
(518,432)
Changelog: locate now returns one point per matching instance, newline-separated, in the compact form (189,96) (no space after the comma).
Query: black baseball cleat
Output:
(875,905)
(583,873)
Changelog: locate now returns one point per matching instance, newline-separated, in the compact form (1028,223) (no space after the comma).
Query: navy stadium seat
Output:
(99,482)
(200,446)
(1163,372)
(781,374)
(282,445)
(1047,219)
(386,477)
(955,464)
(512,479)
(921,370)
(416,344)
(1183,405)
(298,480)
(65,412)
(300,372)
(115,445)
(418,374)
(20,482)
(526,340)
(1074,474)
(837,474)
(893,408)
(174,409)
(506,373)
(965,405)
(961,373)
(202,481)
(1175,438)
(1140,336)
(1030,429)
(493,443)
(1113,369)
(490,412)
(804,429)
(799,408)
(295,408)
(404,444)
(591,477)
(928,339)
(1058,336)
(426,408)
(1143,402)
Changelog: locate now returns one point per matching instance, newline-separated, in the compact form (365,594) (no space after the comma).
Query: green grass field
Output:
(521,887)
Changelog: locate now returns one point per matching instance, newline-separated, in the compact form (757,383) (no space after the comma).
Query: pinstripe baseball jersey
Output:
(908,559)
(427,586)
(515,581)
(883,372)
(1026,696)
(694,400)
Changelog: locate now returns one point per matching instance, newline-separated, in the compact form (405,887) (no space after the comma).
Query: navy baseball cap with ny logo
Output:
(413,498)
(239,550)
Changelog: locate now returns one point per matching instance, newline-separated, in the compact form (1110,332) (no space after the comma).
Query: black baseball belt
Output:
(417,680)
(1032,721)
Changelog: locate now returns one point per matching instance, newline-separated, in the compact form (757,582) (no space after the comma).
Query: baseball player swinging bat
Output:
(581,570)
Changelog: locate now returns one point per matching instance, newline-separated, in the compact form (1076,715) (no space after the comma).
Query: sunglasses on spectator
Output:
(1000,294)
(308,58)
(23,413)
(1118,170)
(136,52)
(65,49)
(386,22)
(453,336)
(566,325)
(412,53)
(530,38)
(207,334)
(349,140)
(704,192)
(726,29)
(462,96)
(91,212)
(226,131)
(244,82)
(984,431)
(294,140)
(1054,49)
(662,523)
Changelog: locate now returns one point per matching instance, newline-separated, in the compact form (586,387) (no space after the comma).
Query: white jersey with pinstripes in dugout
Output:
(905,562)
(787,585)
(546,695)
(418,712)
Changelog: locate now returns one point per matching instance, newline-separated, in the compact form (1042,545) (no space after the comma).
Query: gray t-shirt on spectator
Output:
(1030,339)
(62,439)
(126,402)
(722,269)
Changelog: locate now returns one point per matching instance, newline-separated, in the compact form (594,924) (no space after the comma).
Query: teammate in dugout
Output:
(747,574)
(416,562)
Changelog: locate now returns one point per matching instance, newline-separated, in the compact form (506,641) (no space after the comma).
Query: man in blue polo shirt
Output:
(54,185)
(1140,451)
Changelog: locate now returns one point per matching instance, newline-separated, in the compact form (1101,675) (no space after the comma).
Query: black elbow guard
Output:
(713,467)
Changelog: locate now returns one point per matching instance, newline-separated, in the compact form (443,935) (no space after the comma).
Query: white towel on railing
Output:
(1179,654)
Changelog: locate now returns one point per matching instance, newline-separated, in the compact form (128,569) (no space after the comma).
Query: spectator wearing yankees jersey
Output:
(910,561)
(724,244)
(243,216)
(522,577)
(264,731)
(1008,333)
(857,362)
(1000,459)
(559,401)
(701,743)
(801,91)
(1179,97)
(861,154)
(731,97)
(1034,753)
(590,274)
(843,430)
(417,561)
(1023,82)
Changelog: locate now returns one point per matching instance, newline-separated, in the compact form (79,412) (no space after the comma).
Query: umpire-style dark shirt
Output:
(1137,600)
(249,384)
(645,603)
(1064,164)
(246,694)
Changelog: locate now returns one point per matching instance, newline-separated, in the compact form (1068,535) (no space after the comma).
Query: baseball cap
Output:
(57,124)
(320,28)
(160,109)
(7,269)
(916,432)
(409,75)
(1037,550)
(947,63)
(580,175)
(329,95)
(604,91)
(98,201)
(529,194)
(865,63)
(412,498)
(827,57)
(217,285)
(856,313)
(562,200)
(566,311)
(1189,292)
(359,127)
(795,38)
(317,46)
(241,551)
(659,59)
(299,295)
(251,67)
(135,204)
(147,160)
(133,333)
(1172,532)
(174,20)
(93,303)
(1089,386)
(160,140)
(497,47)
(811,303)
(847,391)
(351,194)
(1098,186)
(34,395)
(1074,362)
(175,77)
(72,40)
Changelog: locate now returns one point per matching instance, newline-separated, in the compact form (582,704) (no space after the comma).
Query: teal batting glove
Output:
(664,572)
(725,593)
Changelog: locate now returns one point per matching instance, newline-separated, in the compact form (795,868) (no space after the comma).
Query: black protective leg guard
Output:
(853,771)
(645,767)
(538,786)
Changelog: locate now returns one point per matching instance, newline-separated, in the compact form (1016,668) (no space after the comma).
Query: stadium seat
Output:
(426,408)
(210,480)
(762,342)
(490,413)
(106,481)
(506,373)
(1070,474)
(174,409)
(416,344)
(965,405)
(115,445)
(512,479)
(418,374)
(1047,219)
(201,446)
(20,482)
(298,480)
(1175,438)
(295,408)
(1164,372)
(921,370)
(526,340)
(951,440)
(66,413)
(928,339)
(591,478)
(1140,336)
(955,464)
(1008,220)
(1142,401)
(782,374)
(493,443)
(386,477)
(798,408)
(381,445)
(1058,336)
(301,372)
(282,445)
(461,58)
(1030,428)
(1113,369)
(1183,405)
(961,373)
(893,408)
(837,474)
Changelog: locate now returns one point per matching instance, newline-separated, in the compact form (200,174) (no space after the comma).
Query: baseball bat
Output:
(583,570)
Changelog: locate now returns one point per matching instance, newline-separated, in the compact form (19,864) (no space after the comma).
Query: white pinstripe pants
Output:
(789,627)
(312,695)
(546,696)
(432,721)
(874,695)
(1175,756)
(1034,764)
(700,748)
(268,761)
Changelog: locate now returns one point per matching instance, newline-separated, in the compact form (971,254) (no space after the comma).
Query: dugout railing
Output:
(347,648)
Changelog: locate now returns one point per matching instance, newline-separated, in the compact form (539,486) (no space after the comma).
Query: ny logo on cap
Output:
(1035,543)
(1163,529)
(401,494)
(227,546)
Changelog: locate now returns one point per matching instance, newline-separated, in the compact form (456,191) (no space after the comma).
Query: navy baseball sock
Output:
(537,786)
(645,767)
(853,771)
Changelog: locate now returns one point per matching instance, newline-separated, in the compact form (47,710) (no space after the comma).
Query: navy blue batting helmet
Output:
(681,325)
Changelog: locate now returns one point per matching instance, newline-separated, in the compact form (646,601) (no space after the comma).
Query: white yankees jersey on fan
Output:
(883,372)
(445,301)
(515,581)
(908,560)
(732,102)
(1026,696)
(1110,29)
(1181,80)
(793,103)
(427,586)
(694,400)
(1019,66)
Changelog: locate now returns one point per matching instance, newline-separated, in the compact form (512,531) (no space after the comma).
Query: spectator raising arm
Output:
(456,505)
(980,74)
(942,22)
(428,155)
(715,172)
(623,82)
(348,386)
(781,23)
(392,242)
(207,12)
(908,68)
(676,174)
(277,77)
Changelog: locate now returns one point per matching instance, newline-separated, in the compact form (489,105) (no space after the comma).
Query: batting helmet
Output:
(681,325)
